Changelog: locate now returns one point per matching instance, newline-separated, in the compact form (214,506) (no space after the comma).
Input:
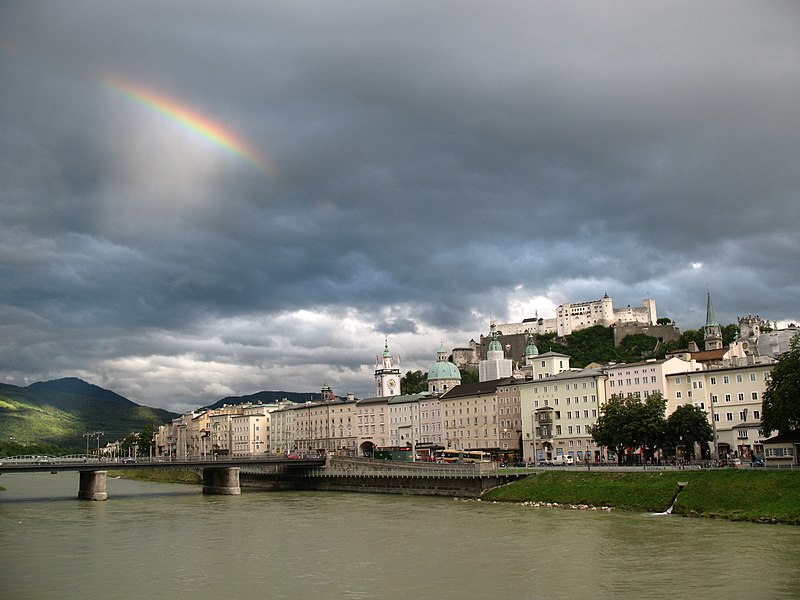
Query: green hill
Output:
(266,398)
(60,412)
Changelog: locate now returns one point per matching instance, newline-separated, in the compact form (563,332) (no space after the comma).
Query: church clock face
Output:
(391,384)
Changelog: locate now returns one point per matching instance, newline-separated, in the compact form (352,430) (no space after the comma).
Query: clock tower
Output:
(387,377)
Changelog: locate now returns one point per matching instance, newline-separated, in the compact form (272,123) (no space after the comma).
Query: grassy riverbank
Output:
(757,495)
(160,476)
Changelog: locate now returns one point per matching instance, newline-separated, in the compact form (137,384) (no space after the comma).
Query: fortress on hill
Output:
(570,317)
(574,316)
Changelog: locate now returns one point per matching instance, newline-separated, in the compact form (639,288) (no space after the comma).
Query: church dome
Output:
(444,370)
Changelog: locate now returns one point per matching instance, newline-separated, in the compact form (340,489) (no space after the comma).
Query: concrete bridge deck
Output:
(226,476)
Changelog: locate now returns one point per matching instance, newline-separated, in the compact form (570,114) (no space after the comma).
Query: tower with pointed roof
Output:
(531,351)
(387,377)
(496,365)
(712,332)
(443,375)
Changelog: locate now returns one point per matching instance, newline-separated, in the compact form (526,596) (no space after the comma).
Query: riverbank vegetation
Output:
(158,475)
(763,496)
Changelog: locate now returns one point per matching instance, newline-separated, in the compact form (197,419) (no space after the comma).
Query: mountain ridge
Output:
(63,411)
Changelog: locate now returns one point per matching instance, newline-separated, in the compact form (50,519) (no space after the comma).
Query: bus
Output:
(463,456)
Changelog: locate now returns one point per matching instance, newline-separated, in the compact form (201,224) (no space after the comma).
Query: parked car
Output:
(758,462)
(564,460)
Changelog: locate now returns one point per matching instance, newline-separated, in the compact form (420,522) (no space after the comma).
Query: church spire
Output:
(712,332)
(711,318)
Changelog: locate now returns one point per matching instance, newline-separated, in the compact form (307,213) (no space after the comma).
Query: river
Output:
(167,541)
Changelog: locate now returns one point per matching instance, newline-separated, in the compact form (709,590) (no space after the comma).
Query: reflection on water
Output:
(171,541)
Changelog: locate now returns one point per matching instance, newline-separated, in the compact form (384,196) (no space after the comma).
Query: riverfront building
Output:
(640,379)
(469,414)
(559,407)
(731,396)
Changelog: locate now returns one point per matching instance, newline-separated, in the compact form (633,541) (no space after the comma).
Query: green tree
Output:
(686,426)
(663,321)
(593,344)
(611,427)
(630,423)
(636,347)
(468,376)
(414,382)
(730,333)
(147,440)
(647,425)
(780,409)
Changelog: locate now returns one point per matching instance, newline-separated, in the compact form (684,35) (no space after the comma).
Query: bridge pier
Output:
(93,485)
(221,480)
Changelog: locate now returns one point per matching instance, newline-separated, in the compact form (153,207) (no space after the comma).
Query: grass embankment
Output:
(739,495)
(159,476)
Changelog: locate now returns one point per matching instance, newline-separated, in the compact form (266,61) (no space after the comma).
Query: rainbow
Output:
(190,120)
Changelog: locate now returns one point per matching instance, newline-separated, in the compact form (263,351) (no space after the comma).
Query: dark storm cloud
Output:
(431,165)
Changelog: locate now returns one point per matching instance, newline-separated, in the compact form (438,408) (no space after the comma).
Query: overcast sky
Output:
(207,198)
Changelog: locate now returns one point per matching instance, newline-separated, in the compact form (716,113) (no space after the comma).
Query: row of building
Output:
(537,409)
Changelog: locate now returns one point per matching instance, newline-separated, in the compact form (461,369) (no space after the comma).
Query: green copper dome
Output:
(531,349)
(444,370)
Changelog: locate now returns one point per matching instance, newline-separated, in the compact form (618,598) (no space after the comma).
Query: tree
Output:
(414,382)
(663,321)
(630,423)
(646,424)
(730,333)
(147,440)
(686,426)
(636,347)
(780,409)
(468,376)
(611,427)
